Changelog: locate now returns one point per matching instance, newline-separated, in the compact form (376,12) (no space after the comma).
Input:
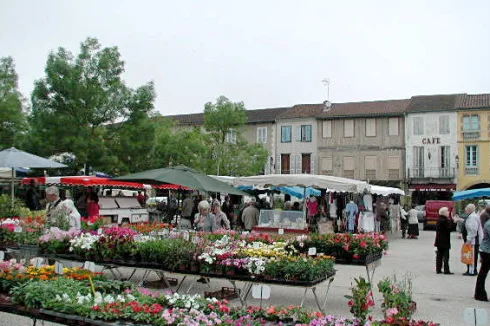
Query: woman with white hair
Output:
(221,219)
(443,241)
(204,220)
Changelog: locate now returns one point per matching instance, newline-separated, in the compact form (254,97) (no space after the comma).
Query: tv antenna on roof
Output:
(326,82)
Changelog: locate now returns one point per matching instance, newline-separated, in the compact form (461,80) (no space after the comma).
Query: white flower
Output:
(66,297)
(109,299)
(98,298)
(120,298)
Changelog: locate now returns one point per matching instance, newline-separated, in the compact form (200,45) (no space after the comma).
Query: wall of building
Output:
(250,132)
(465,180)
(375,157)
(431,140)
(296,147)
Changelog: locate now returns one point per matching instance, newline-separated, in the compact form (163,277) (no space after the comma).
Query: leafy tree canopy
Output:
(13,122)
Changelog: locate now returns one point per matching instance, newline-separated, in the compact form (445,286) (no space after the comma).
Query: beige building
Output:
(363,140)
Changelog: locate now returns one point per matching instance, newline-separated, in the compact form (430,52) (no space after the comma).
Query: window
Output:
(286,134)
(285,163)
(370,167)
(418,162)
(471,122)
(306,133)
(306,163)
(418,126)
(327,129)
(444,124)
(349,167)
(393,168)
(262,135)
(231,136)
(370,127)
(444,161)
(471,126)
(471,160)
(349,128)
(326,165)
(393,127)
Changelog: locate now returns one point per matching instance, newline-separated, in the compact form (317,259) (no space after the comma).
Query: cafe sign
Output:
(433,140)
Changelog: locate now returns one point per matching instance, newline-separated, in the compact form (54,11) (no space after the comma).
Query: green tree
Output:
(13,122)
(223,120)
(78,98)
(175,146)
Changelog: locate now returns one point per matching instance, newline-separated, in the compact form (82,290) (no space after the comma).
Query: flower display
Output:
(361,300)
(84,244)
(92,223)
(55,240)
(397,298)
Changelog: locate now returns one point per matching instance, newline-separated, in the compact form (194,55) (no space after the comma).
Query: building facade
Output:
(296,140)
(473,133)
(431,147)
(363,140)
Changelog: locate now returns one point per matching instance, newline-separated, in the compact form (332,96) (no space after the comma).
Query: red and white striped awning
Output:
(88,181)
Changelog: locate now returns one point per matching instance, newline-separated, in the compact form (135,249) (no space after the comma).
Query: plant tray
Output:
(225,293)
(160,284)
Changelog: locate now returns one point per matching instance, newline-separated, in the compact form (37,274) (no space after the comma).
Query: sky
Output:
(264,53)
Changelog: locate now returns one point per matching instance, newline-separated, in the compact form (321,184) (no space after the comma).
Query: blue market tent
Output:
(297,192)
(473,193)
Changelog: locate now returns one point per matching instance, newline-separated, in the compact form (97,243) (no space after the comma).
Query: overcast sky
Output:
(265,53)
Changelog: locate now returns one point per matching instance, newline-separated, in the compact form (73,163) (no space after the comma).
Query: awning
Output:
(433,187)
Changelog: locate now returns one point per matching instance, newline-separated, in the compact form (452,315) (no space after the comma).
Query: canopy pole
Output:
(12,186)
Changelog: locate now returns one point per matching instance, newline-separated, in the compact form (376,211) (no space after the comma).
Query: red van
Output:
(432,211)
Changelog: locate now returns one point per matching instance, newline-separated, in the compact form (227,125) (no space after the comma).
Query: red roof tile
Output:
(473,101)
(360,109)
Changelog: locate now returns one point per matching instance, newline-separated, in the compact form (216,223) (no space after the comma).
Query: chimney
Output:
(327,105)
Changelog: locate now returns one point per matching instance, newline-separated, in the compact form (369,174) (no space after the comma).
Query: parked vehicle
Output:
(432,211)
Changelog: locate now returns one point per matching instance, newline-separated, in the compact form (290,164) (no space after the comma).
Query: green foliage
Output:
(75,101)
(9,210)
(397,297)
(13,122)
(230,154)
(361,300)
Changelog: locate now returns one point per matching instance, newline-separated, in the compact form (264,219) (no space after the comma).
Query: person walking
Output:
(250,216)
(473,237)
(413,223)
(480,292)
(443,241)
(403,221)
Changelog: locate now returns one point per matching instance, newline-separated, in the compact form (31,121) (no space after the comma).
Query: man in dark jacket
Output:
(443,240)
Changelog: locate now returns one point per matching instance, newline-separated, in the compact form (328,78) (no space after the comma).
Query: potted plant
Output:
(397,297)
(361,300)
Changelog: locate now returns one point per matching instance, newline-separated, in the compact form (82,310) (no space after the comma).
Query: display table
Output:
(233,278)
(275,230)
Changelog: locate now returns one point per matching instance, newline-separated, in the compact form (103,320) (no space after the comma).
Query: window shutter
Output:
(299,162)
(326,164)
(393,162)
(267,168)
(292,164)
(349,163)
(370,162)
(312,163)
(278,164)
(298,133)
(327,129)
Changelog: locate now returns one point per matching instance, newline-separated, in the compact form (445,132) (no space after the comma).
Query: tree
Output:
(175,146)
(76,101)
(221,119)
(12,116)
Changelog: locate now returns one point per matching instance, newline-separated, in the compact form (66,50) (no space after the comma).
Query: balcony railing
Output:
(471,134)
(471,170)
(434,173)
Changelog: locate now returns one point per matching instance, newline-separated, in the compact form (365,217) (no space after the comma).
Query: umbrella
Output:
(184,176)
(473,193)
(14,158)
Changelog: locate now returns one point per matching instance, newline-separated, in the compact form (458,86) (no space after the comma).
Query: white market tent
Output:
(304,180)
(386,191)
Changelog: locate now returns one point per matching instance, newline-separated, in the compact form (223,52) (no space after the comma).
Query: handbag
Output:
(467,254)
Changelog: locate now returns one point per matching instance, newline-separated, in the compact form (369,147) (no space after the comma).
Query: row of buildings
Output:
(428,145)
